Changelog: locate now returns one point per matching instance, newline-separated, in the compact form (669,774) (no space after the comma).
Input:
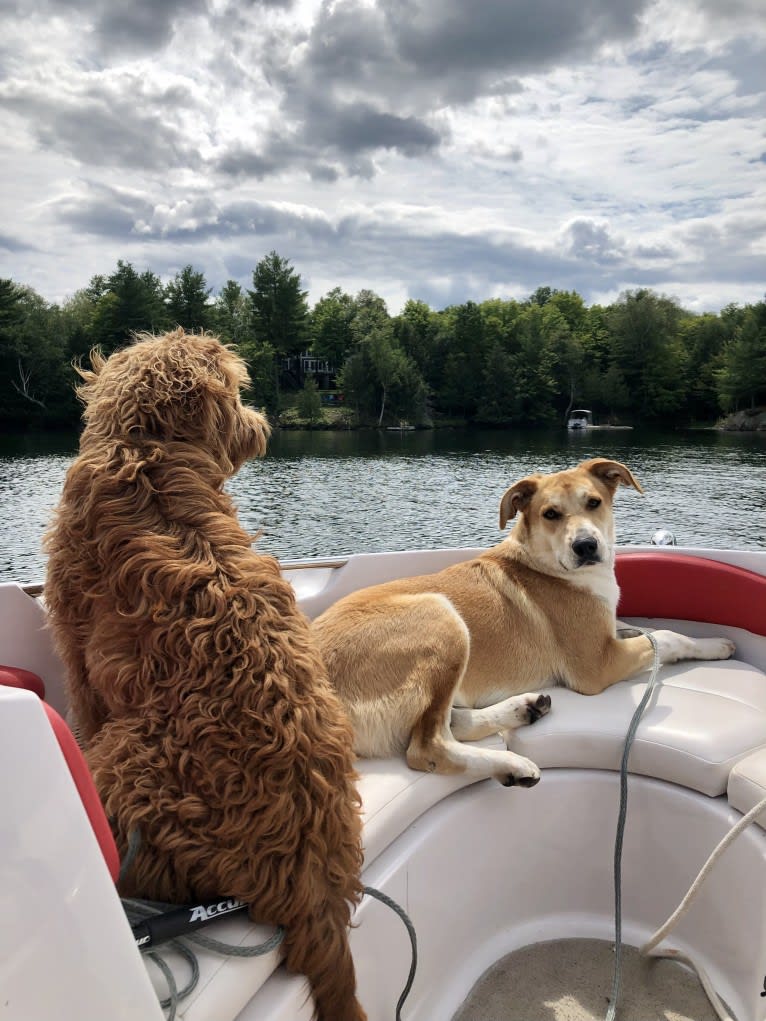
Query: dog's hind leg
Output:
(432,745)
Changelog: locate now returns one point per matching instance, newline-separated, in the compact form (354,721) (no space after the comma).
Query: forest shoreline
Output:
(754,422)
(751,421)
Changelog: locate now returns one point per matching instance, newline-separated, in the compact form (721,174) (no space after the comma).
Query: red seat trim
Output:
(15,677)
(680,587)
(86,788)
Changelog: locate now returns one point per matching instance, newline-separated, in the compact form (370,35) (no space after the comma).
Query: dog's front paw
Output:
(520,781)
(538,705)
(716,648)
(674,647)
(521,772)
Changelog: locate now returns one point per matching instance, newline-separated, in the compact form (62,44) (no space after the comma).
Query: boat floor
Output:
(570,980)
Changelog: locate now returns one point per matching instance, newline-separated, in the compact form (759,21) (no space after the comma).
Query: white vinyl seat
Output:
(703,718)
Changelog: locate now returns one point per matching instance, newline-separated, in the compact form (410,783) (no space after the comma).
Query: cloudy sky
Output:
(437,149)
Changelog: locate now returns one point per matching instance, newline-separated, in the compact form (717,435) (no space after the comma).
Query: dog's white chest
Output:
(603,586)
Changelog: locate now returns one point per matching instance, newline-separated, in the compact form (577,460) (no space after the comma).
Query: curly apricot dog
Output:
(210,725)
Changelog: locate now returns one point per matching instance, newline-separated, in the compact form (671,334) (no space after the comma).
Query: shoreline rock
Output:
(752,420)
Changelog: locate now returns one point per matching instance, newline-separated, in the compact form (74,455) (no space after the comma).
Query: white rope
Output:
(648,949)
(715,1000)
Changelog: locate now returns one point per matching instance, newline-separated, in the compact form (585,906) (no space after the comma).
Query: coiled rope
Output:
(139,909)
(136,910)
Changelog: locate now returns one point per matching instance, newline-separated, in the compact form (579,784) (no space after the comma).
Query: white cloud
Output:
(375,145)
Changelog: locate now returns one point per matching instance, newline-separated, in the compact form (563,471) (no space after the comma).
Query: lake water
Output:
(320,494)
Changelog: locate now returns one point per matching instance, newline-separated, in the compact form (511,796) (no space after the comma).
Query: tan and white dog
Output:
(423,664)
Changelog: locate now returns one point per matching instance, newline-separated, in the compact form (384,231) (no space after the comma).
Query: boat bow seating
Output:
(705,724)
(704,729)
(701,721)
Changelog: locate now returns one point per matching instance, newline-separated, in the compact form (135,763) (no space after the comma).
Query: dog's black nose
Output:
(586,548)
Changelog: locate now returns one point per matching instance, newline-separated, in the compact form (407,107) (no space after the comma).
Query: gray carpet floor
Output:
(570,980)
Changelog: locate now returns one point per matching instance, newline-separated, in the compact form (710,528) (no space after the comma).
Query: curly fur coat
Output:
(209,721)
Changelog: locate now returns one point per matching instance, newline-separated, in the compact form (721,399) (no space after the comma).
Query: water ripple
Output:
(323,494)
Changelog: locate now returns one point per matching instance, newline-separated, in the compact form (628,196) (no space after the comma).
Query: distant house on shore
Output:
(307,364)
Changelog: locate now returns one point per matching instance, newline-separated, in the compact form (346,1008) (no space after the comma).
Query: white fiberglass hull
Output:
(488,871)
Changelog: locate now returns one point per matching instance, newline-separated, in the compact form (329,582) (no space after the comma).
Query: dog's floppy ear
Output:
(612,473)
(517,498)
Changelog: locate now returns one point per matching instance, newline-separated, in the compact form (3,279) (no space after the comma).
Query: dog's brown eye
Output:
(551,514)
(593,503)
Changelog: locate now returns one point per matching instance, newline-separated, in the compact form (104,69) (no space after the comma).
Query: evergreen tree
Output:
(231,314)
(330,326)
(279,309)
(279,315)
(742,377)
(127,302)
(186,300)
(309,402)
(10,301)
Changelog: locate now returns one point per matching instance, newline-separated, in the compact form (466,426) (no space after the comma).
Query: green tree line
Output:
(641,359)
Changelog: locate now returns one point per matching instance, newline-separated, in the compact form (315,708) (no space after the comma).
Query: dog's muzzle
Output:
(585,549)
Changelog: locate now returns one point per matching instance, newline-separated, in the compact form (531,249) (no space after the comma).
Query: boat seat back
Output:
(679,587)
(17,678)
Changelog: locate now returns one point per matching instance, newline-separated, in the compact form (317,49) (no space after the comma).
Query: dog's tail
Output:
(322,890)
(318,947)
(315,899)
